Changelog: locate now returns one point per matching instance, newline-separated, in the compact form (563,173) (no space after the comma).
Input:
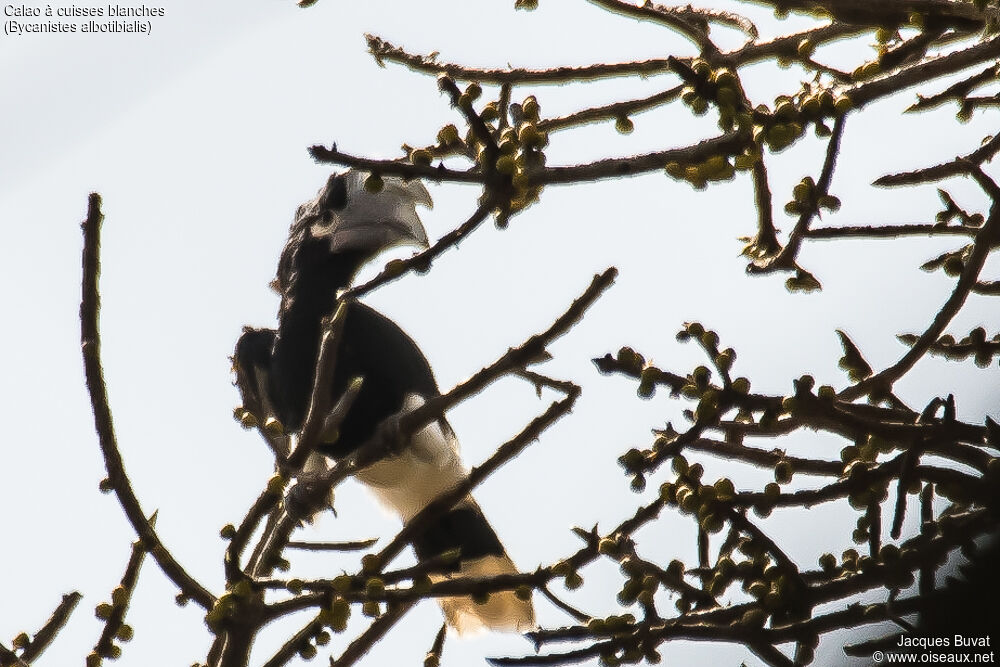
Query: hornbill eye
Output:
(334,196)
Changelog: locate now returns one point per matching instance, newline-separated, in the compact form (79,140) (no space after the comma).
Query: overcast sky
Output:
(196,137)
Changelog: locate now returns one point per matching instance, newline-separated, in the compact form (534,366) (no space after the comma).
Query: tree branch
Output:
(117,479)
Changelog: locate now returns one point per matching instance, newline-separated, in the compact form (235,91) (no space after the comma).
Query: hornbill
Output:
(332,237)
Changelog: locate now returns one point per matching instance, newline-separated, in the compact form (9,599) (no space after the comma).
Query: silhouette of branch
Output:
(786,258)
(360,646)
(981,248)
(44,637)
(9,659)
(889,231)
(120,599)
(356,545)
(117,479)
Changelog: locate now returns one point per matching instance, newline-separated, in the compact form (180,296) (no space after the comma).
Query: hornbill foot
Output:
(387,441)
(311,493)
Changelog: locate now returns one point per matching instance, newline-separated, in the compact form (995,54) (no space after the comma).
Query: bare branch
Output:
(422,260)
(889,231)
(120,599)
(382,50)
(686,20)
(727,144)
(360,646)
(43,638)
(786,259)
(970,274)
(9,659)
(608,111)
(356,545)
(395,167)
(866,93)
(956,167)
(296,644)
(117,479)
(316,419)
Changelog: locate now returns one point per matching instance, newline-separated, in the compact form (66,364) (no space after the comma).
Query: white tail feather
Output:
(502,612)
(406,483)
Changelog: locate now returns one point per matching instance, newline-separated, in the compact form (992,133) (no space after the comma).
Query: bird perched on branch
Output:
(349,222)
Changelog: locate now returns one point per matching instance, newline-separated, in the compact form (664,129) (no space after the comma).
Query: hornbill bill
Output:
(332,237)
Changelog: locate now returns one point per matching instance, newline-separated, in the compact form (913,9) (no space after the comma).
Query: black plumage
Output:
(332,238)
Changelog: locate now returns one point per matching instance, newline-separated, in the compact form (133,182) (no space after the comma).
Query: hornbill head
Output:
(349,222)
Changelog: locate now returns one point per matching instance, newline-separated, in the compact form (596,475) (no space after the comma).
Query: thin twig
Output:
(356,545)
(382,50)
(866,93)
(320,404)
(423,259)
(9,659)
(765,244)
(686,21)
(956,167)
(608,111)
(262,507)
(360,646)
(889,231)
(43,638)
(296,643)
(634,165)
(786,259)
(973,266)
(120,600)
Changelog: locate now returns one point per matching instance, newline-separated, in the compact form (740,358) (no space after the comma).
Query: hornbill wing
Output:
(252,366)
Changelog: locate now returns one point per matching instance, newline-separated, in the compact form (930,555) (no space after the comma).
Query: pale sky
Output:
(196,137)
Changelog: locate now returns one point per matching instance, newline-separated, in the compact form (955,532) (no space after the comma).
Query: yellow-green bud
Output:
(369,563)
(421,156)
(624,125)
(783,471)
(342,583)
(505,164)
(530,108)
(274,427)
(448,135)
(276,484)
(119,596)
(843,104)
(724,77)
(374,587)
